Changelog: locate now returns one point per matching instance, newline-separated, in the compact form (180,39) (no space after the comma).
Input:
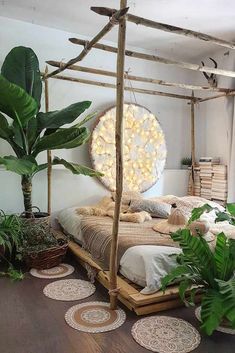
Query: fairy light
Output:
(144,148)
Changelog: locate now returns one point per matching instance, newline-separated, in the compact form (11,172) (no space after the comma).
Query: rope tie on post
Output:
(86,46)
(114,291)
(113,21)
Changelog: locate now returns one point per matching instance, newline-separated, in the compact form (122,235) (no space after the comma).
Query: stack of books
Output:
(197,183)
(206,170)
(219,184)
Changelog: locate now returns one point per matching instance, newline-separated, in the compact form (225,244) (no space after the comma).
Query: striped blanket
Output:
(97,236)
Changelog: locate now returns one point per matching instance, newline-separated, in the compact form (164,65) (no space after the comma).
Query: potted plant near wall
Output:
(211,270)
(30,131)
(186,162)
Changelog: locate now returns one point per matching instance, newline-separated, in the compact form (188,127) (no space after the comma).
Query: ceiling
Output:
(215,17)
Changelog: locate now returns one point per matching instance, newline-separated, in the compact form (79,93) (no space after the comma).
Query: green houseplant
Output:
(10,240)
(211,270)
(186,162)
(30,131)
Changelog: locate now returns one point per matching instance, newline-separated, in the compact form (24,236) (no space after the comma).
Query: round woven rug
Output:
(94,317)
(223,329)
(164,334)
(62,270)
(69,289)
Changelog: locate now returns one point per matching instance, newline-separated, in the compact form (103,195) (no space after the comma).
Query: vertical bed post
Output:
(192,144)
(113,290)
(48,151)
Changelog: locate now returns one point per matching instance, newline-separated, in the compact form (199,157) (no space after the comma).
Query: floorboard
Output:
(32,323)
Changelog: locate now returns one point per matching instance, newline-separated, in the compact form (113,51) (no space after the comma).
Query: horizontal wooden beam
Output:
(138,78)
(167,28)
(161,60)
(131,89)
(88,46)
(229,94)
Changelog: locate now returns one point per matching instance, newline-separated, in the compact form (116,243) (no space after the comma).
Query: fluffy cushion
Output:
(128,196)
(154,208)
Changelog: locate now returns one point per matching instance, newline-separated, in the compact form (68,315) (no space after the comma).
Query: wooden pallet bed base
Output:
(129,295)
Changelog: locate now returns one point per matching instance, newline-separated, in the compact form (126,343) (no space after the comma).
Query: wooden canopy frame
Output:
(127,293)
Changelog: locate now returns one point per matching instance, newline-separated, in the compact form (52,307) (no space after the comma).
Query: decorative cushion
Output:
(128,196)
(154,208)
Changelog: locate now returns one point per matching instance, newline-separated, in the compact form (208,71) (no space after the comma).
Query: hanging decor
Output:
(144,149)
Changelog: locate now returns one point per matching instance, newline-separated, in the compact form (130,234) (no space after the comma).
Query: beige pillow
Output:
(127,196)
(154,208)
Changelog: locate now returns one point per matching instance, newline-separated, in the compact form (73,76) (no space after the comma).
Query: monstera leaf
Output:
(16,103)
(21,67)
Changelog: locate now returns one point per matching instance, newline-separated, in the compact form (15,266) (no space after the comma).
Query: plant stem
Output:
(26,183)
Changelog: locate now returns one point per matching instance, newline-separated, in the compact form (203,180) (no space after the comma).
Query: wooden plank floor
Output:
(32,323)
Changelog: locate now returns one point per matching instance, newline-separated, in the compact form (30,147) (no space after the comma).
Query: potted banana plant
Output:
(209,270)
(30,131)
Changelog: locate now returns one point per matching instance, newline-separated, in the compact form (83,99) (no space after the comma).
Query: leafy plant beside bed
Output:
(29,131)
(10,240)
(186,162)
(212,270)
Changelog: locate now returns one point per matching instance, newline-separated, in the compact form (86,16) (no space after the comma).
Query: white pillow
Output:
(70,221)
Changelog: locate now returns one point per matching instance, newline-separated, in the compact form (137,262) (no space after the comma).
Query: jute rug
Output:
(219,328)
(62,270)
(164,334)
(69,289)
(94,317)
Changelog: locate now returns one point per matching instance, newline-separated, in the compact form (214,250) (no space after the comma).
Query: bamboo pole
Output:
(192,145)
(155,58)
(229,94)
(138,78)
(167,28)
(49,168)
(114,20)
(131,89)
(113,292)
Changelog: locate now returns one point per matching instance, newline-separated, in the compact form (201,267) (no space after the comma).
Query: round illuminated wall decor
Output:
(144,149)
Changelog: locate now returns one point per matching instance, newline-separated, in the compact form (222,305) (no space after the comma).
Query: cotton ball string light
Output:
(144,148)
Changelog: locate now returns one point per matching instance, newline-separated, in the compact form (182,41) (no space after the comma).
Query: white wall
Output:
(69,190)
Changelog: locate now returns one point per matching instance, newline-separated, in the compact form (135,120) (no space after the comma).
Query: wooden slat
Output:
(129,89)
(167,28)
(117,16)
(139,78)
(161,60)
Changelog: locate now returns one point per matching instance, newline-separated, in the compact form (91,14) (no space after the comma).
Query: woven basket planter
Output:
(48,258)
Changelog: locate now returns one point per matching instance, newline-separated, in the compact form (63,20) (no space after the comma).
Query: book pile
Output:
(197,185)
(206,170)
(219,184)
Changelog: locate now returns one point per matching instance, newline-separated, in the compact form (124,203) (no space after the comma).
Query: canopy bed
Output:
(119,287)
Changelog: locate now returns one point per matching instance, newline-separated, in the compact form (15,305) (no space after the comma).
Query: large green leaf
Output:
(5,131)
(62,138)
(197,252)
(77,168)
(223,258)
(180,272)
(59,118)
(19,166)
(16,102)
(227,289)
(198,211)
(21,67)
(231,208)
(212,311)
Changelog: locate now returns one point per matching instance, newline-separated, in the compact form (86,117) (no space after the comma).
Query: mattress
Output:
(143,264)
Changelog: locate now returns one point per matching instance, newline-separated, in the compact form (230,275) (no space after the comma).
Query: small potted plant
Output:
(210,271)
(10,240)
(41,247)
(186,162)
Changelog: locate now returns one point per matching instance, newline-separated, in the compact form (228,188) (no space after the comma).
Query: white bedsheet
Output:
(145,265)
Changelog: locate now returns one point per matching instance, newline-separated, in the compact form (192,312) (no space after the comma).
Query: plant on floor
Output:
(10,240)
(29,131)
(211,270)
